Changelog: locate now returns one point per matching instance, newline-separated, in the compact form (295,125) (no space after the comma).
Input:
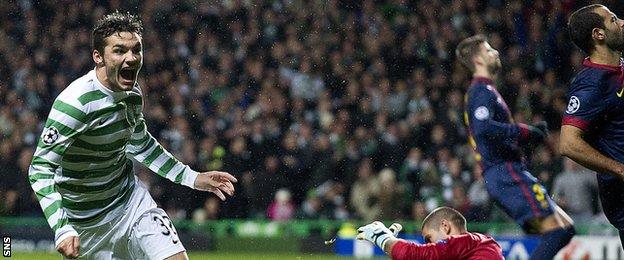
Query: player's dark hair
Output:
(468,48)
(114,23)
(434,219)
(581,24)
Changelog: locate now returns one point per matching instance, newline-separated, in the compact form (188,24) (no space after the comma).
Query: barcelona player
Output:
(592,131)
(496,140)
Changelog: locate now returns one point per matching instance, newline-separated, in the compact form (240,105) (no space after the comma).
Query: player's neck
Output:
(483,73)
(605,56)
(100,74)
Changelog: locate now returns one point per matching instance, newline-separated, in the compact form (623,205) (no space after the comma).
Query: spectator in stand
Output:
(365,193)
(391,195)
(575,190)
(282,207)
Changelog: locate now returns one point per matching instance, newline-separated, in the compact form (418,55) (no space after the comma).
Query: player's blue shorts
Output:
(518,193)
(612,199)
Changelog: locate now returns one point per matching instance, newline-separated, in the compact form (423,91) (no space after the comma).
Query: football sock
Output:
(552,242)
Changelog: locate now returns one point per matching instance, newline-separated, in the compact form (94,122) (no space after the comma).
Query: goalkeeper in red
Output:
(496,140)
(446,237)
(82,171)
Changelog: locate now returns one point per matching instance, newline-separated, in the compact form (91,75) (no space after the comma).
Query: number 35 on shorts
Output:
(154,237)
(167,227)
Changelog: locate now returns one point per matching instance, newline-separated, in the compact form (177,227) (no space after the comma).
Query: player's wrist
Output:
(619,170)
(389,245)
(382,239)
(531,134)
(189,178)
(62,233)
(524,131)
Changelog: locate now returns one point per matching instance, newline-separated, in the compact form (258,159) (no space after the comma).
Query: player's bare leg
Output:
(179,256)
(559,219)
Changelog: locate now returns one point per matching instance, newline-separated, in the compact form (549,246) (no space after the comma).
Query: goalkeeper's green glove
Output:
(378,233)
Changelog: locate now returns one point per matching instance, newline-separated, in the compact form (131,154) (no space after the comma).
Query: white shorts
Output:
(154,237)
(137,230)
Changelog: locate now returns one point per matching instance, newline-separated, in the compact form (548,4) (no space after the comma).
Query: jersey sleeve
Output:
(144,148)
(479,113)
(584,105)
(64,123)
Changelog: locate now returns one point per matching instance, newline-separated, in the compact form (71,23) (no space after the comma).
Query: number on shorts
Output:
(168,228)
(539,195)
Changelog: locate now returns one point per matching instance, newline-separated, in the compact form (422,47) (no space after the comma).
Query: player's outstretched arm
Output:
(144,148)
(573,145)
(479,112)
(385,238)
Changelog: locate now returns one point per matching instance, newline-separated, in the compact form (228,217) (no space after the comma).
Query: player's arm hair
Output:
(390,245)
(573,145)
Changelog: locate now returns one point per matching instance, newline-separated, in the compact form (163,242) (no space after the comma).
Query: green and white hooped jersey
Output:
(82,169)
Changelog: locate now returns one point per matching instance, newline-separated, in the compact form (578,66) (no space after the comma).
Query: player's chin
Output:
(126,84)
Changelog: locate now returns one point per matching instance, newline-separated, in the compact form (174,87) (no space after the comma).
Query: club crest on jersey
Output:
(133,112)
(482,113)
(50,135)
(573,105)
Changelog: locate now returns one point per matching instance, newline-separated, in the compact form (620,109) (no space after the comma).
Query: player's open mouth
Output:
(128,74)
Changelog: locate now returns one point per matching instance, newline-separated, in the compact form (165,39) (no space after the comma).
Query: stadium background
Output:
(328,112)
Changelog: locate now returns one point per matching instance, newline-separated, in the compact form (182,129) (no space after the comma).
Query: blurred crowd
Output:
(322,109)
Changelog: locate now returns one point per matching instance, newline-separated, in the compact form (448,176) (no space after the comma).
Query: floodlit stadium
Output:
(282,129)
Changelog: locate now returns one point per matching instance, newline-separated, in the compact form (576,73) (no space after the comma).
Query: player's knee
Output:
(545,225)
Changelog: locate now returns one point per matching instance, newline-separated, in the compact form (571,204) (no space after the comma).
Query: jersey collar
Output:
(484,80)
(589,63)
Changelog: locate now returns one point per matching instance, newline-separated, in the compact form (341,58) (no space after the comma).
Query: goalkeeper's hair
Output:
(581,24)
(114,23)
(468,48)
(434,219)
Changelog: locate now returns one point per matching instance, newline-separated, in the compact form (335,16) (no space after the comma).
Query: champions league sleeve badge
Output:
(50,135)
(573,105)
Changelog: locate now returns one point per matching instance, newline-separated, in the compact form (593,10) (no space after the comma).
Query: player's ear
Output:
(98,57)
(446,227)
(598,34)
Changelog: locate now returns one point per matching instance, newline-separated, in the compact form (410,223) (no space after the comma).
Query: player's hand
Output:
(395,228)
(375,232)
(537,132)
(69,247)
(216,182)
(542,125)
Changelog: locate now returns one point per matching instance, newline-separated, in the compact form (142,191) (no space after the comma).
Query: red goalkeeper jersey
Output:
(465,246)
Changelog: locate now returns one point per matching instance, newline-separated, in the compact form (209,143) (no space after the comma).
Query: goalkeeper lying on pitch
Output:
(446,236)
